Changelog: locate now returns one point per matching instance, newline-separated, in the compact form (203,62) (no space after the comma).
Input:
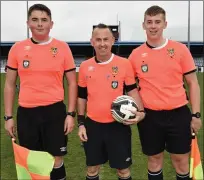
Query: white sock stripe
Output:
(59,166)
(92,177)
(182,176)
(155,173)
(63,178)
(124,177)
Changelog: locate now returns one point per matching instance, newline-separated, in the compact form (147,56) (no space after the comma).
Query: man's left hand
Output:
(196,124)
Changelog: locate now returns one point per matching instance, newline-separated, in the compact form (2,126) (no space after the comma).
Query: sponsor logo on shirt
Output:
(144,55)
(27,48)
(90,68)
(107,76)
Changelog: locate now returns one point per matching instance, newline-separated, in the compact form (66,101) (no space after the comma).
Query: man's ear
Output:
(52,23)
(91,40)
(165,25)
(113,40)
(143,25)
(27,24)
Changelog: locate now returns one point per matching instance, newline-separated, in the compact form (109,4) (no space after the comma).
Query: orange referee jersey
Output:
(160,72)
(41,69)
(104,83)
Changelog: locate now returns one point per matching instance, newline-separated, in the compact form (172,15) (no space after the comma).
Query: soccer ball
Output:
(121,106)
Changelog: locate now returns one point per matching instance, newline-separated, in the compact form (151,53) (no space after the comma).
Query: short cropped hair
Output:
(102,26)
(155,10)
(39,7)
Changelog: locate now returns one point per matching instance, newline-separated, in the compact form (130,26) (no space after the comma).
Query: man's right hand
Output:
(82,133)
(140,115)
(10,128)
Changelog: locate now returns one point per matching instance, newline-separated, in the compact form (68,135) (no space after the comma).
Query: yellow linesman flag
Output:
(32,165)
(196,170)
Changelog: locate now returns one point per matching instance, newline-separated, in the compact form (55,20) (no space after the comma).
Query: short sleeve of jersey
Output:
(12,57)
(187,61)
(82,76)
(131,58)
(69,60)
(129,77)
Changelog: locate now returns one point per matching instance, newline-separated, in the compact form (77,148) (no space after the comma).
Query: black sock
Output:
(182,176)
(96,177)
(58,173)
(127,178)
(155,175)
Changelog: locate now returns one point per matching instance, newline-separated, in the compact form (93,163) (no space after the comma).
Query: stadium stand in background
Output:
(83,50)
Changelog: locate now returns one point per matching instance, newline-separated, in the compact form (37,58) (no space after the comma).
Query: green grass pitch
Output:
(75,160)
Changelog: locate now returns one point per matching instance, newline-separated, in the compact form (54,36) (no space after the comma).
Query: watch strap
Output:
(6,118)
(196,115)
(73,113)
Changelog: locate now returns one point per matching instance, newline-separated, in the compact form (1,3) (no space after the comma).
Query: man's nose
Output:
(153,25)
(39,23)
(102,43)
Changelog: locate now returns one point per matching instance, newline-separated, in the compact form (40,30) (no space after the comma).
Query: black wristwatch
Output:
(197,115)
(73,113)
(6,118)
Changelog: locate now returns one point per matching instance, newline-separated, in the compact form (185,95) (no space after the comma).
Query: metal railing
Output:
(199,62)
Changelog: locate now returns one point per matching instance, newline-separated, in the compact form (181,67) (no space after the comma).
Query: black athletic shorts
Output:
(166,130)
(108,142)
(42,128)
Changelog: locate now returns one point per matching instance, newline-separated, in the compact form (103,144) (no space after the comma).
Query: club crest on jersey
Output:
(171,52)
(26,63)
(114,70)
(144,68)
(114,84)
(54,51)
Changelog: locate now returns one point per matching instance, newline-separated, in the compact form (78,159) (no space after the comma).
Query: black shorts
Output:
(166,129)
(108,142)
(42,128)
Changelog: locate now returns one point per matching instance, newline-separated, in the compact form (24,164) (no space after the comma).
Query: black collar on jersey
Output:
(149,45)
(97,61)
(33,41)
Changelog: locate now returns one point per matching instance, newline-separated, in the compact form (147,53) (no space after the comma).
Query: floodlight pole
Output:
(27,18)
(189,14)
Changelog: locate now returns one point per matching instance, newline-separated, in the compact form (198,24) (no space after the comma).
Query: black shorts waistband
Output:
(96,122)
(170,110)
(47,106)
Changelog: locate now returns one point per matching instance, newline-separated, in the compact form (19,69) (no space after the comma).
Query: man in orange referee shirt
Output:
(160,66)
(101,79)
(41,63)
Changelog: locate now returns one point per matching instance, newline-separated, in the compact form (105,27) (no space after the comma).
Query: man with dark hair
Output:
(105,139)
(41,63)
(39,7)
(160,65)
